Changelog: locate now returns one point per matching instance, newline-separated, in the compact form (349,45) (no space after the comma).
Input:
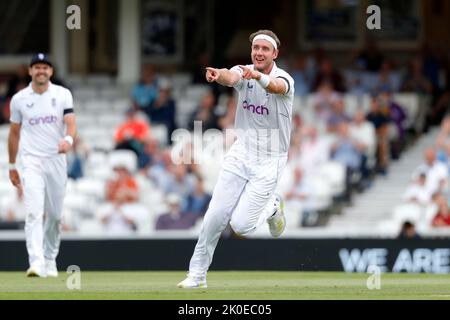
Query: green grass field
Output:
(226,286)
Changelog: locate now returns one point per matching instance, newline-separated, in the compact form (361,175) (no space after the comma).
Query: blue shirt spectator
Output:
(346,149)
(146,91)
(175,218)
(197,202)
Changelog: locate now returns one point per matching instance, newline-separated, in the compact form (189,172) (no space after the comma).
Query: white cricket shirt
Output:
(263,120)
(42,119)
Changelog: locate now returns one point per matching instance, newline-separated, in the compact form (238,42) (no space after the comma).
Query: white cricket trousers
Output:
(44,183)
(243,197)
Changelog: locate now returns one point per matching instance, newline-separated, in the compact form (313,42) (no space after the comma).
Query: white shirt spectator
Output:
(417,193)
(324,102)
(117,220)
(437,175)
(13,209)
(297,188)
(313,153)
(365,133)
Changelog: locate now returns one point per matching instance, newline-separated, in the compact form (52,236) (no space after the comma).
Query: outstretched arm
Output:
(224,77)
(272,85)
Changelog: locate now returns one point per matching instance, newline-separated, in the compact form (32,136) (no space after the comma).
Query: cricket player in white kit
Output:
(244,195)
(43,121)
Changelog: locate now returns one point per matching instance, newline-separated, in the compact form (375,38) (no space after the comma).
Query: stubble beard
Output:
(41,83)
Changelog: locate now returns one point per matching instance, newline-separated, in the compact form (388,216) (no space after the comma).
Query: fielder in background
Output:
(42,131)
(244,195)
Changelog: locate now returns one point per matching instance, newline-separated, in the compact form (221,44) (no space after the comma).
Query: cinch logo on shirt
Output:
(43,120)
(261,110)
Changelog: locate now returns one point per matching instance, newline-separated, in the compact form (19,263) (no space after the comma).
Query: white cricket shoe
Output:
(192,283)
(50,268)
(36,271)
(277,222)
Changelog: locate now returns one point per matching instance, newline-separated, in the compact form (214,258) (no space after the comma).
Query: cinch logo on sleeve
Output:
(43,120)
(261,110)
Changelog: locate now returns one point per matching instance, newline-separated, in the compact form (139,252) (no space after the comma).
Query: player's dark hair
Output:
(267,33)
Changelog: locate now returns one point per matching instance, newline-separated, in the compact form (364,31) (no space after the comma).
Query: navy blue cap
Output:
(40,58)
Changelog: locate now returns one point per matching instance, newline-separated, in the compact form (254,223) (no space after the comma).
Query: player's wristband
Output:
(264,81)
(69,139)
(12,166)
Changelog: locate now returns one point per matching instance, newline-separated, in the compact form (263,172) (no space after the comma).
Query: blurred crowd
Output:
(362,143)
(429,182)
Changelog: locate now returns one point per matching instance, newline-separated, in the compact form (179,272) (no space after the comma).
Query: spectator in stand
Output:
(370,57)
(437,173)
(348,152)
(328,73)
(118,218)
(175,219)
(296,137)
(194,169)
(14,208)
(355,83)
(149,154)
(163,109)
(443,156)
(325,101)
(300,197)
(337,116)
(416,81)
(363,132)
(408,232)
(131,134)
(161,173)
(380,120)
(442,218)
(123,187)
(146,91)
(76,158)
(314,151)
(227,120)
(297,123)
(417,192)
(297,68)
(387,79)
(19,81)
(397,116)
(181,182)
(197,202)
(443,141)
(205,113)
